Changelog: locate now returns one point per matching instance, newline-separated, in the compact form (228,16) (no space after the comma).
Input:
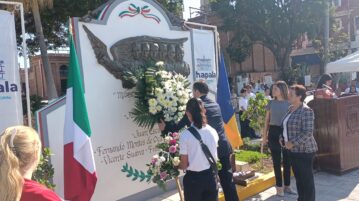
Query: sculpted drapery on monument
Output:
(130,56)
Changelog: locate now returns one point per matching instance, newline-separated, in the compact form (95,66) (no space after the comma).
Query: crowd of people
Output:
(240,105)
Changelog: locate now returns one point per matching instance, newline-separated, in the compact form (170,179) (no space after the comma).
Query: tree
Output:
(54,15)
(174,6)
(276,23)
(338,43)
(55,21)
(34,6)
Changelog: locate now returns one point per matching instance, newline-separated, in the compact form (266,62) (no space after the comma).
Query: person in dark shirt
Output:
(215,120)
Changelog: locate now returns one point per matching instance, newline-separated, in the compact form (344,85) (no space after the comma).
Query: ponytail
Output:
(19,151)
(196,109)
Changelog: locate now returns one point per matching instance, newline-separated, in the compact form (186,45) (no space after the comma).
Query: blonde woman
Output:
(20,150)
(276,110)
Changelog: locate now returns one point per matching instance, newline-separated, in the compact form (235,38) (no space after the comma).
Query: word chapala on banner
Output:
(5,86)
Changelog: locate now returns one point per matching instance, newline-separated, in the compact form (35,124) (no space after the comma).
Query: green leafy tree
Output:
(275,23)
(174,6)
(45,171)
(296,74)
(36,103)
(256,112)
(55,20)
(338,44)
(34,7)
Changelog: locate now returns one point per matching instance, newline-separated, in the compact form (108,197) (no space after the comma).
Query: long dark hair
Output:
(196,109)
(323,80)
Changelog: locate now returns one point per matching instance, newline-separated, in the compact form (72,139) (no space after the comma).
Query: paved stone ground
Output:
(328,188)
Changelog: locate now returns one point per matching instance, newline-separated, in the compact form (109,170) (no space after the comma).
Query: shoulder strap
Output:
(206,151)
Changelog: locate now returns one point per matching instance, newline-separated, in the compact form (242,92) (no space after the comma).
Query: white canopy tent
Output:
(347,64)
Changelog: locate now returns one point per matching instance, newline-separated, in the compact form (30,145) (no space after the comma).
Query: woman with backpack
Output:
(198,150)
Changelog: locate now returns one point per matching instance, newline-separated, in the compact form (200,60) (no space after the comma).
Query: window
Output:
(23,88)
(63,71)
(337,3)
(63,86)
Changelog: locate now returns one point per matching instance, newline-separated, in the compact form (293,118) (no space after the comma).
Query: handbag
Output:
(206,151)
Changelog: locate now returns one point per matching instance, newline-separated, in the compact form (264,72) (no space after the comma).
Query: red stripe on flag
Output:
(79,183)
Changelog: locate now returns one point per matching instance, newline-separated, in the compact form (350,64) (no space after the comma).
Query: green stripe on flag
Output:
(75,82)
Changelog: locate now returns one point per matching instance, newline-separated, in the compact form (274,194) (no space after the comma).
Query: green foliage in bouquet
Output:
(256,112)
(160,95)
(45,171)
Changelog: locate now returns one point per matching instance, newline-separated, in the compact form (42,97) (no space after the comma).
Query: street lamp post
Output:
(326,37)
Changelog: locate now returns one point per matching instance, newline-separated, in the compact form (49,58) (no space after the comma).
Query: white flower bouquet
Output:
(160,95)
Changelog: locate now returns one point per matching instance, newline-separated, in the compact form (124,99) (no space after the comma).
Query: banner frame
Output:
(190,26)
(24,53)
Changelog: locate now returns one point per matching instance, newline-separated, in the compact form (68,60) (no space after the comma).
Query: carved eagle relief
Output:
(132,54)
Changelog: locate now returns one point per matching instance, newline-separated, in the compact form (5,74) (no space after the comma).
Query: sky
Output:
(190,3)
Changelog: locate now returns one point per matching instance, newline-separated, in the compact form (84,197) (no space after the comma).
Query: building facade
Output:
(37,82)
(261,61)
(346,17)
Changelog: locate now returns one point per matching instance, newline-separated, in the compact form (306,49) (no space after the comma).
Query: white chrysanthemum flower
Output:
(168,139)
(160,63)
(152,110)
(167,104)
(176,161)
(158,90)
(152,102)
(159,108)
(161,99)
(179,93)
(162,159)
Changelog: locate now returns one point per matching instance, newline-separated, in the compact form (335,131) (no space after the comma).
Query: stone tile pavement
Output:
(328,188)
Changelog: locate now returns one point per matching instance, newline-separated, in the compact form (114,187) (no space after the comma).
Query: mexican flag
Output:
(79,165)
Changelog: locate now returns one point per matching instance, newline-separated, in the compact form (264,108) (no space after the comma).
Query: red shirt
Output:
(324,93)
(34,191)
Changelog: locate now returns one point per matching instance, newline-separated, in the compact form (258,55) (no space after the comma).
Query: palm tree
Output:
(35,6)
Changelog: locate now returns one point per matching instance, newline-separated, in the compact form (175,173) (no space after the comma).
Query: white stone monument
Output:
(116,139)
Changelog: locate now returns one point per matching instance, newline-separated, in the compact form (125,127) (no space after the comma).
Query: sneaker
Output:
(289,190)
(280,191)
